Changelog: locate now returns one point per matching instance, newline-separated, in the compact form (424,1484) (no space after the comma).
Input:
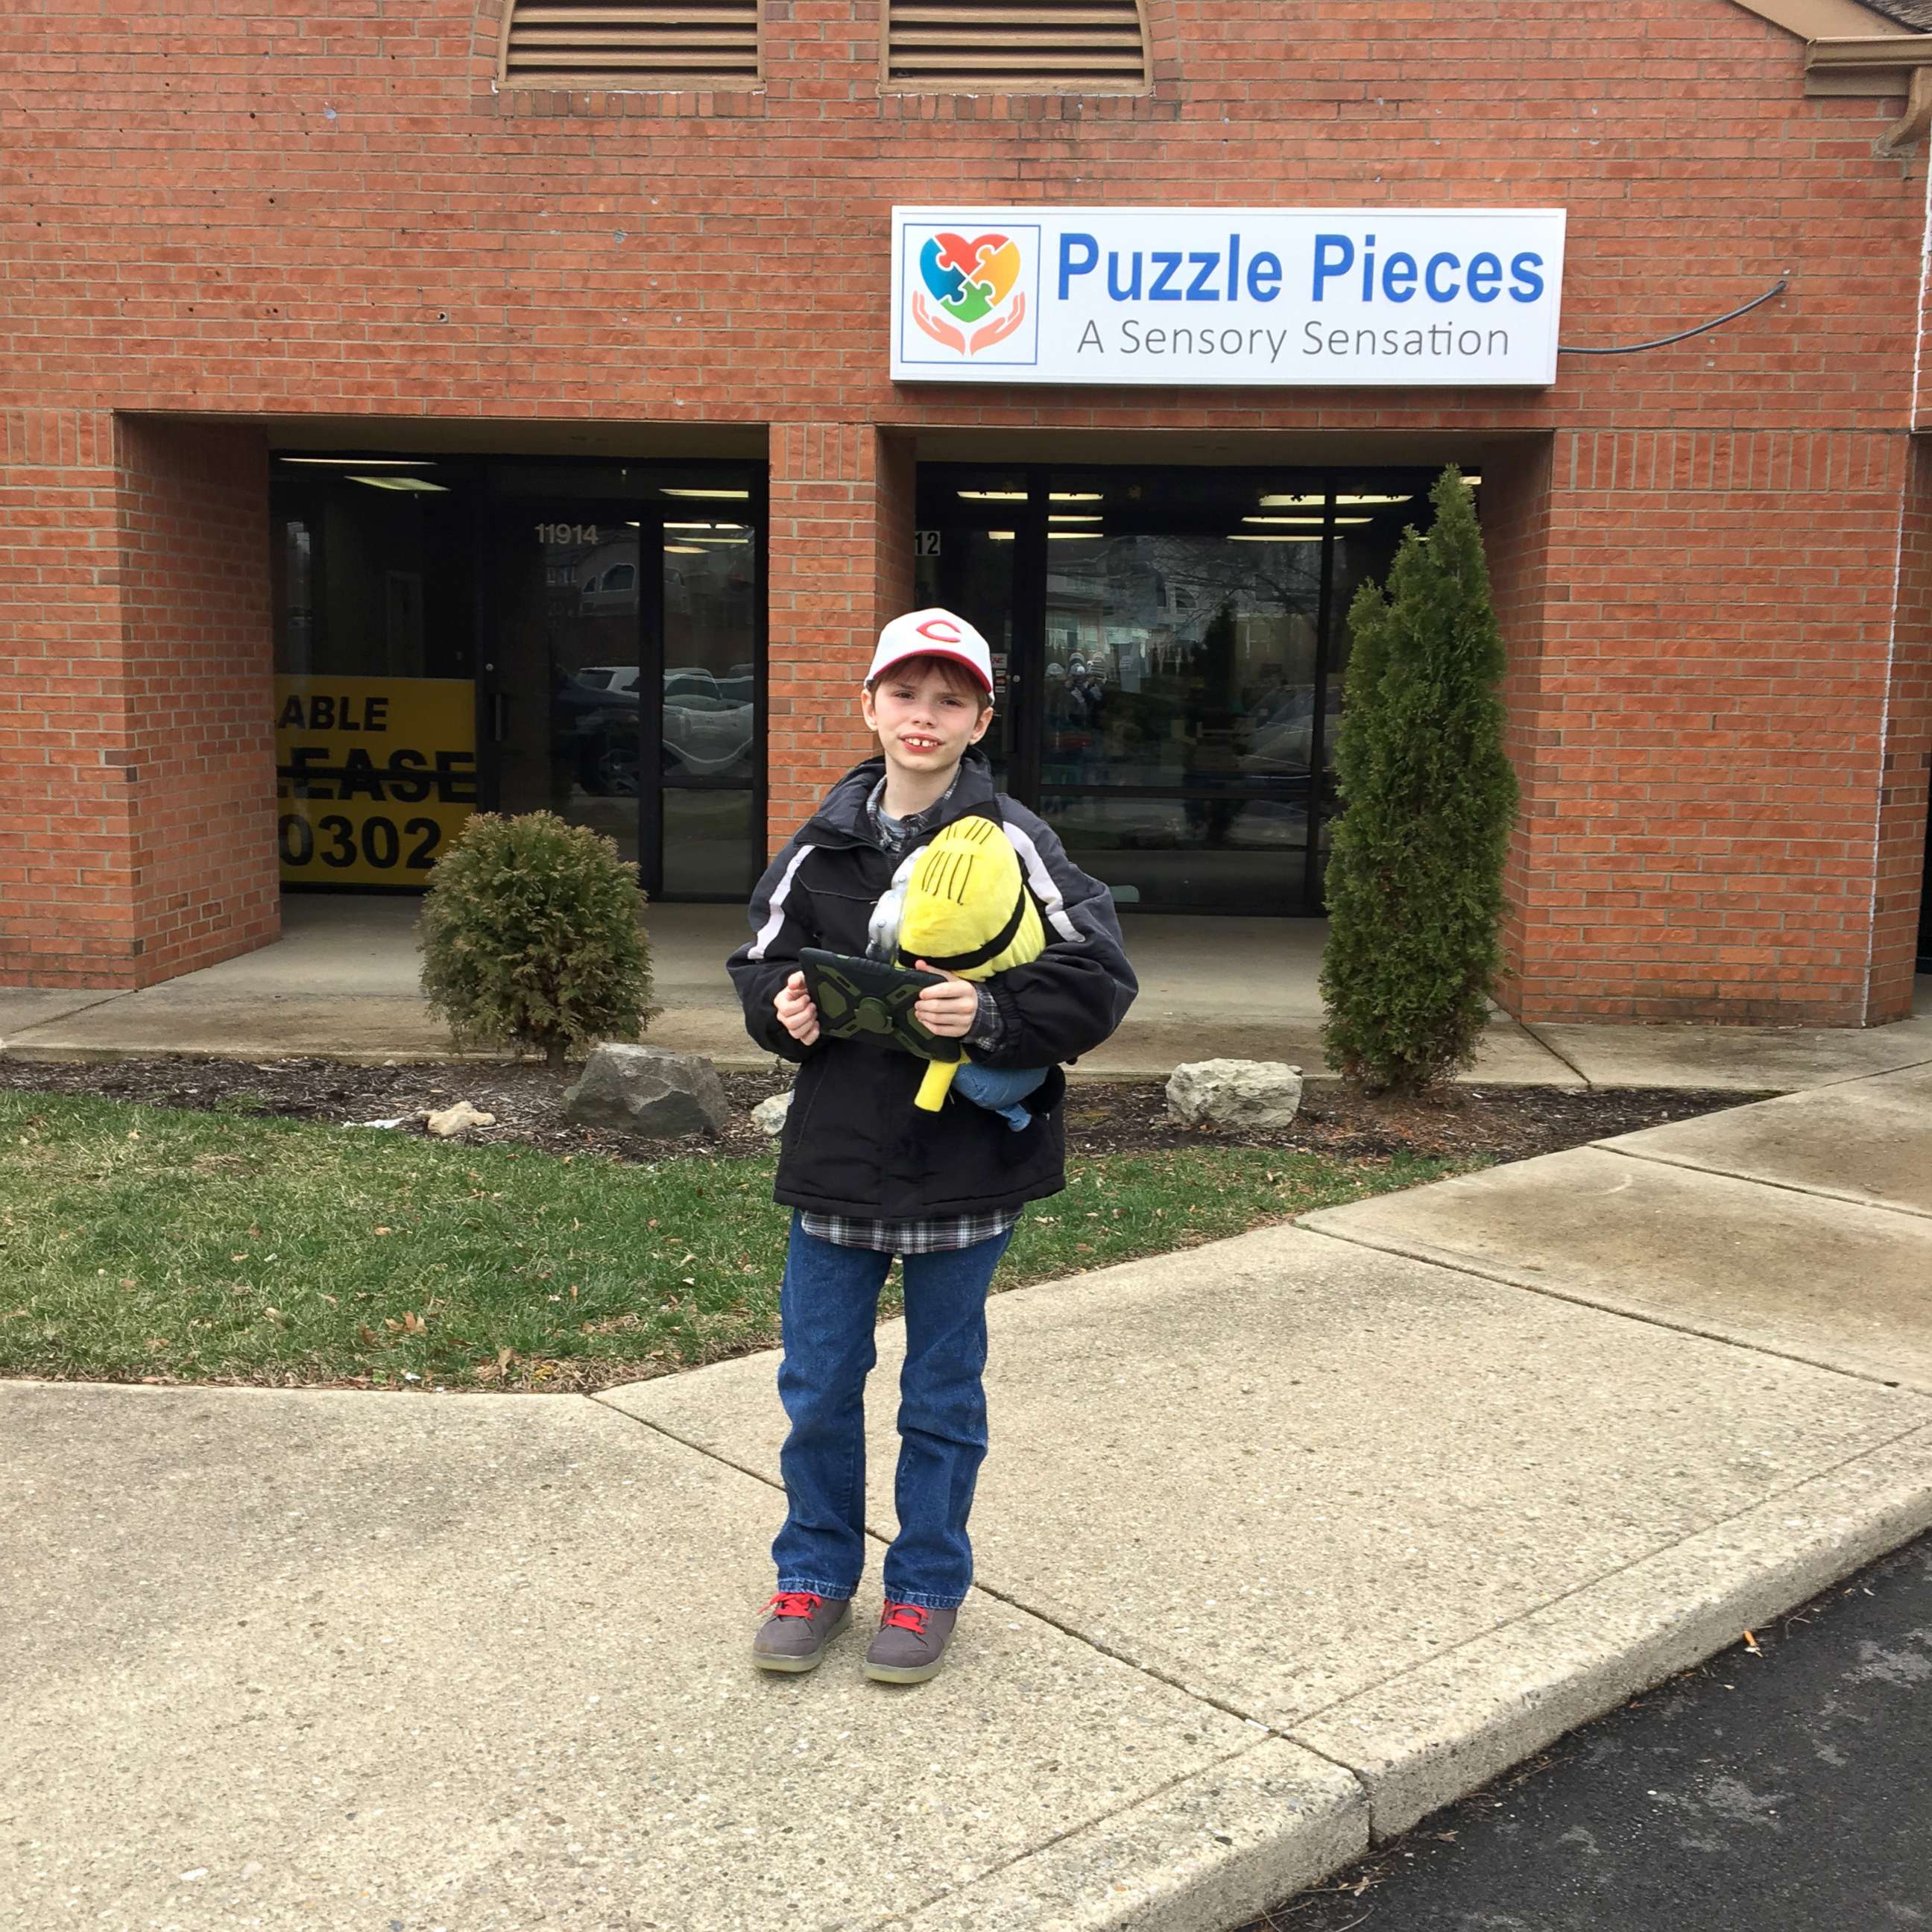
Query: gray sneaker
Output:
(800,1626)
(911,1643)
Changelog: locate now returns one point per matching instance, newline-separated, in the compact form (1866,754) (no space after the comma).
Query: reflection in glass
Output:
(973,576)
(710,589)
(572,726)
(1217,854)
(708,845)
(1181,660)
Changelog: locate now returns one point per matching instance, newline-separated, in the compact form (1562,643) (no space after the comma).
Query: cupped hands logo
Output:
(969,280)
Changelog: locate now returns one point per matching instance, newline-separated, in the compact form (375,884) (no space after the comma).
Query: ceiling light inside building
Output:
(1375,499)
(1077,495)
(994,495)
(1000,536)
(685,550)
(421,485)
(1071,516)
(735,496)
(1340,520)
(705,526)
(1073,536)
(1317,502)
(1284,536)
(363,462)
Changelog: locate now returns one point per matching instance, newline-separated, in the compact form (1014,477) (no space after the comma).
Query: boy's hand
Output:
(949,1010)
(796,1013)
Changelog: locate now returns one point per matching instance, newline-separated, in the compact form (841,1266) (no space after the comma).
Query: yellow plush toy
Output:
(967,911)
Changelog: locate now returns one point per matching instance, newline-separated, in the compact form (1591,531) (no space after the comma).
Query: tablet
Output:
(858,998)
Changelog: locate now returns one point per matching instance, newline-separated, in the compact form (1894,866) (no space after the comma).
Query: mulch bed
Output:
(1103,1116)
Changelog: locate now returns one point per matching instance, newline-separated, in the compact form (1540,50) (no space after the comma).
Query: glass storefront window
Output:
(371,568)
(1177,651)
(1179,661)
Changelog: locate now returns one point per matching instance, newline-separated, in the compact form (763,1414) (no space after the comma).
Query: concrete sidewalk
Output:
(1283,1542)
(342,983)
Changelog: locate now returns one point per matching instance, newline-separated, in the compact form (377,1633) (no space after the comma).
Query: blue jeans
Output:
(828,1305)
(998,1091)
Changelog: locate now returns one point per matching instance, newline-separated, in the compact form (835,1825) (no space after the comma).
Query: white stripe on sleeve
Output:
(769,931)
(1044,888)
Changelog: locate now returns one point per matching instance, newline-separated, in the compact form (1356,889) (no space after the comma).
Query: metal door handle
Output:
(500,717)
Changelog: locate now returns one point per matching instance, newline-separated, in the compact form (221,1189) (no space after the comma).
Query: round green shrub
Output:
(530,938)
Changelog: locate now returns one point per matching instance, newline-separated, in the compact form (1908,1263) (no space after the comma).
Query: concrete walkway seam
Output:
(1150,1852)
(1448,1727)
(1556,1053)
(1209,1851)
(1815,1191)
(1292,1730)
(1052,1622)
(1852,1079)
(1499,1273)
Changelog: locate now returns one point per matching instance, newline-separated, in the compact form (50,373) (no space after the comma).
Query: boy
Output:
(868,1176)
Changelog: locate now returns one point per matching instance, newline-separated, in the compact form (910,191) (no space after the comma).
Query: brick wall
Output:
(66,904)
(1703,734)
(320,209)
(198,667)
(137,782)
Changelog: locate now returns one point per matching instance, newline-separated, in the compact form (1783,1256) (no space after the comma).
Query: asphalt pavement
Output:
(1784,1786)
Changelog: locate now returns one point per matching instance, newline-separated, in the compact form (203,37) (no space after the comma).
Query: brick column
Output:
(841,558)
(136,741)
(1516,540)
(1905,781)
(1701,630)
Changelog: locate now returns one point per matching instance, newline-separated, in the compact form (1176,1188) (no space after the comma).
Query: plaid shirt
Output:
(947,1232)
(910,1237)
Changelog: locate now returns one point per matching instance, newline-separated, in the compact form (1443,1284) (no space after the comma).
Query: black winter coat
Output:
(854,1144)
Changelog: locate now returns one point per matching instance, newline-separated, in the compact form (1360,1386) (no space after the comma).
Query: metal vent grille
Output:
(960,46)
(631,44)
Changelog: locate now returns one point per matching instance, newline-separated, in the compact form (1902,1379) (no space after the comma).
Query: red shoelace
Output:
(794,1603)
(904,1616)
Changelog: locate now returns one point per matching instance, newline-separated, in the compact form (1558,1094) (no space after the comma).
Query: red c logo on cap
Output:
(941,630)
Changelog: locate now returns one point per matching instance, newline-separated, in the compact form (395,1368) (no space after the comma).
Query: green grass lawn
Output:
(146,1243)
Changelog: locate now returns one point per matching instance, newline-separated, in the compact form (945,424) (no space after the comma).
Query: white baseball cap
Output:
(933,633)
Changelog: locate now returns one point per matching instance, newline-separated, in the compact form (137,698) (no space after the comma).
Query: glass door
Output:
(565,670)
(625,678)
(1180,687)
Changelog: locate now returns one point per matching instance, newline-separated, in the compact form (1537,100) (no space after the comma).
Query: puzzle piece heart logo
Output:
(969,281)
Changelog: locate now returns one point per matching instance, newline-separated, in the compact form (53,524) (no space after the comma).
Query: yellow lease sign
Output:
(375,776)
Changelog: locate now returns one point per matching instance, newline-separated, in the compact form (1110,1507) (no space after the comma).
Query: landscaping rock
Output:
(453,1119)
(648,1090)
(770,1115)
(1245,1094)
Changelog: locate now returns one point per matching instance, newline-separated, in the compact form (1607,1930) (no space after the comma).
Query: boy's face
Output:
(924,719)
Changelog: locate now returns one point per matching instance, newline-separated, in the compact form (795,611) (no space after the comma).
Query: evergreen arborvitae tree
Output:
(530,937)
(1415,898)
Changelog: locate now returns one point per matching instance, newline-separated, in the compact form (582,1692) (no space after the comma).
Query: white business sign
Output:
(1298,298)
